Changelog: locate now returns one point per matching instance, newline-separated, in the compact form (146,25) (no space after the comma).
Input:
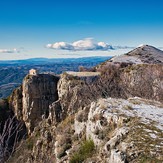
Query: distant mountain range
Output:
(54,60)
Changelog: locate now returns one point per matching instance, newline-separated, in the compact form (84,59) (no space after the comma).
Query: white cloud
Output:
(104,46)
(9,50)
(81,45)
(60,45)
(85,44)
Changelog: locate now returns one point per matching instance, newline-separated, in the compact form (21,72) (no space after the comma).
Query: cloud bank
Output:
(87,44)
(9,50)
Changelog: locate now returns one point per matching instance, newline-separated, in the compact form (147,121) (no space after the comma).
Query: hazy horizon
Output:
(68,54)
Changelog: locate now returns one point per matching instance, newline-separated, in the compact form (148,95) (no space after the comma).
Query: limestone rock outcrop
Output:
(124,130)
(31,101)
(74,93)
(38,93)
(121,130)
(16,103)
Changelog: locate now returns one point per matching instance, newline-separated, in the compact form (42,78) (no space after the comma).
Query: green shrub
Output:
(149,159)
(85,151)
(30,143)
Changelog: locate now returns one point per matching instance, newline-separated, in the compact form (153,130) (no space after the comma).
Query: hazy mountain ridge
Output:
(53,60)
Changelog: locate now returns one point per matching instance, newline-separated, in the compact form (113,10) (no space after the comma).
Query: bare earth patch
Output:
(83,74)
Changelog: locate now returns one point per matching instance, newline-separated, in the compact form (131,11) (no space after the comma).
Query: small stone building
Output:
(33,72)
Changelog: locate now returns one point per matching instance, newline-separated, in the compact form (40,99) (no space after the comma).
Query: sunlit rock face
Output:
(31,101)
(38,93)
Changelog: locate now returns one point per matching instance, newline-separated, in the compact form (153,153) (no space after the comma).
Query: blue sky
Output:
(26,27)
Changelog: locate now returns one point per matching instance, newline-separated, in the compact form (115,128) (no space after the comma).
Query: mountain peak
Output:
(141,54)
(144,45)
(148,48)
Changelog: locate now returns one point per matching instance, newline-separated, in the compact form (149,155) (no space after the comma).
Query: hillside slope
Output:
(143,54)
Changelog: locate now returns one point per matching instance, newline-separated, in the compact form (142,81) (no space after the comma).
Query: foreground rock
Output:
(122,131)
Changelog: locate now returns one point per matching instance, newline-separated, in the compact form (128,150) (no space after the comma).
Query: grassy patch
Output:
(66,126)
(85,151)
(30,143)
(147,159)
(148,147)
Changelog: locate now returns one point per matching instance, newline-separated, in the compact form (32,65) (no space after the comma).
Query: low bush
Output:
(85,151)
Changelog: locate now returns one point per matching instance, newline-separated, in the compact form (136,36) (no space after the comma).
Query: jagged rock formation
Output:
(16,104)
(74,93)
(31,101)
(120,127)
(38,93)
(122,131)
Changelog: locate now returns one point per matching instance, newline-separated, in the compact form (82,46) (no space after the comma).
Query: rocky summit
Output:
(142,54)
(112,114)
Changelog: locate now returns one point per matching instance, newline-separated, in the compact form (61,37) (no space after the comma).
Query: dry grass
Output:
(149,149)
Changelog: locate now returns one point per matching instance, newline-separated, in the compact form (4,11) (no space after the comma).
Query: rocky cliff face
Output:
(31,101)
(121,131)
(143,80)
(120,128)
(16,104)
(124,80)
(74,93)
